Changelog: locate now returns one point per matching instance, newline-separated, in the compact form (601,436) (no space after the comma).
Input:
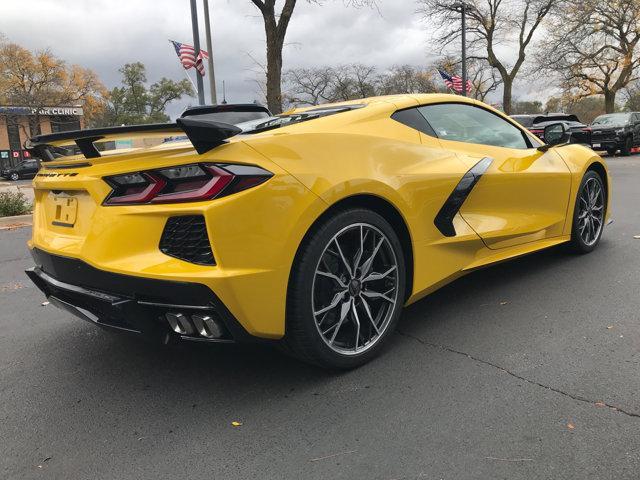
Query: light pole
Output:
(196,47)
(212,76)
(463,7)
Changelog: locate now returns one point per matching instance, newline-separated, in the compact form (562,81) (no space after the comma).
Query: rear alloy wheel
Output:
(588,218)
(628,146)
(15,177)
(346,291)
(611,151)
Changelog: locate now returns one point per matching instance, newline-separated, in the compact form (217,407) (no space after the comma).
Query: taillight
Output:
(183,183)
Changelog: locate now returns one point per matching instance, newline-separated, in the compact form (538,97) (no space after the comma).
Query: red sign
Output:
(26,154)
(15,154)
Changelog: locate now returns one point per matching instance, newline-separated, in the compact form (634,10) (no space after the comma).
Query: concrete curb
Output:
(18,221)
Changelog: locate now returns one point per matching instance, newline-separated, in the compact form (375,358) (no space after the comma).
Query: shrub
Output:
(13,203)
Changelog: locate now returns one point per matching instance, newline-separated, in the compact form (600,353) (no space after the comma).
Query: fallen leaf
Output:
(609,327)
(570,426)
(11,286)
(503,303)
(44,304)
(600,404)
(637,237)
(236,424)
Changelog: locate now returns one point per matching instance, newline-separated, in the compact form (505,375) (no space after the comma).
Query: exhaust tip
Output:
(180,323)
(207,326)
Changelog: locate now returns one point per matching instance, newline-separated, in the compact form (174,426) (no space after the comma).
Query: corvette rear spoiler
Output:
(203,134)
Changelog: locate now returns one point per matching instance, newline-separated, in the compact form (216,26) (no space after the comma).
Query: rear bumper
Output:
(129,304)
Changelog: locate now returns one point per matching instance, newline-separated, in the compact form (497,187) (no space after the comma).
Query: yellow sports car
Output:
(311,229)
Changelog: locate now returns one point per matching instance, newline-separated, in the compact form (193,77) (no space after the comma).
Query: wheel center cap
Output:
(354,287)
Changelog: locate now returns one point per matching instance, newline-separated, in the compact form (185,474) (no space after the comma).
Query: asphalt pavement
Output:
(526,370)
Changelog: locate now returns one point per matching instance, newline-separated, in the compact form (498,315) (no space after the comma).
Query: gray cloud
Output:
(105,34)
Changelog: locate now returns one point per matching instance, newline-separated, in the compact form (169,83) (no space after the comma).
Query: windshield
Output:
(612,119)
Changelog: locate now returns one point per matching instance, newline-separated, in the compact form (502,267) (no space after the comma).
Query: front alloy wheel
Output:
(346,290)
(15,177)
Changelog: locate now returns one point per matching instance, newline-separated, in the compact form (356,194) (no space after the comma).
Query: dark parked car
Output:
(25,169)
(616,131)
(535,124)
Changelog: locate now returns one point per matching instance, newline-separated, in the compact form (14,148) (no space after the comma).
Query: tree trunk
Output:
(609,101)
(274,72)
(506,94)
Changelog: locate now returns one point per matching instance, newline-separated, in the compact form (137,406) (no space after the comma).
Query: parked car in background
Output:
(25,169)
(580,132)
(616,131)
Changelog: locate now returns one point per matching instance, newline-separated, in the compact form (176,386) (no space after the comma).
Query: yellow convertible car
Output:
(311,229)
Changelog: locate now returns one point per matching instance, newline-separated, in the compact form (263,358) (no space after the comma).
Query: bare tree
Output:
(593,47)
(275,27)
(364,80)
(406,79)
(484,79)
(312,86)
(308,86)
(632,97)
(490,24)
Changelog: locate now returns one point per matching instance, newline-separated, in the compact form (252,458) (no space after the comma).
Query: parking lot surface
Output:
(525,370)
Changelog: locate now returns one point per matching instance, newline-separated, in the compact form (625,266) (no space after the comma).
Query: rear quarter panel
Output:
(379,156)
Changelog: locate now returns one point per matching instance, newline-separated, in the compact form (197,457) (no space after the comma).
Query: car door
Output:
(28,168)
(523,194)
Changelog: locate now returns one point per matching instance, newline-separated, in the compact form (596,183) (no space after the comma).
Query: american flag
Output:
(187,55)
(202,56)
(455,82)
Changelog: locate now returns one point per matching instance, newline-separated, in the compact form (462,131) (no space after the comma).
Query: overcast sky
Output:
(105,34)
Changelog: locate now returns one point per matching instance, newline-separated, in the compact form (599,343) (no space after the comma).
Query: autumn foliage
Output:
(39,79)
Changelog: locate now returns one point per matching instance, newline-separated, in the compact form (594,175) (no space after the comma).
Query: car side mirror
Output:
(555,134)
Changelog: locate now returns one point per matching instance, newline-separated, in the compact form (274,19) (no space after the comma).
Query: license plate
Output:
(596,145)
(66,210)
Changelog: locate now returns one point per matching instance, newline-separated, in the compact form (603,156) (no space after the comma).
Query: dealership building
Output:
(18,123)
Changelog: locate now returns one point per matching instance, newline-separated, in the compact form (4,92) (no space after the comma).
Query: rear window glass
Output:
(232,117)
(524,120)
(283,120)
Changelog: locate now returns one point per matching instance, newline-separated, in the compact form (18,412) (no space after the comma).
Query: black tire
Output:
(627,147)
(303,338)
(578,244)
(14,176)
(612,151)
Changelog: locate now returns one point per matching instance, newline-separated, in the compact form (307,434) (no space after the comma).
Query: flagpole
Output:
(212,76)
(195,89)
(196,47)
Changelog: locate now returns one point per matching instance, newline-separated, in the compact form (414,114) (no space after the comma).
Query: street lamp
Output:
(463,7)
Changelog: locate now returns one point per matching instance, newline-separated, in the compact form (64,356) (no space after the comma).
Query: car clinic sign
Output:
(14,110)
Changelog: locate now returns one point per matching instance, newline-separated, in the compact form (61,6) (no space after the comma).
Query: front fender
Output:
(579,159)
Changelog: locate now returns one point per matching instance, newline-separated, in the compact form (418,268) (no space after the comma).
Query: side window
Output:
(411,117)
(466,123)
